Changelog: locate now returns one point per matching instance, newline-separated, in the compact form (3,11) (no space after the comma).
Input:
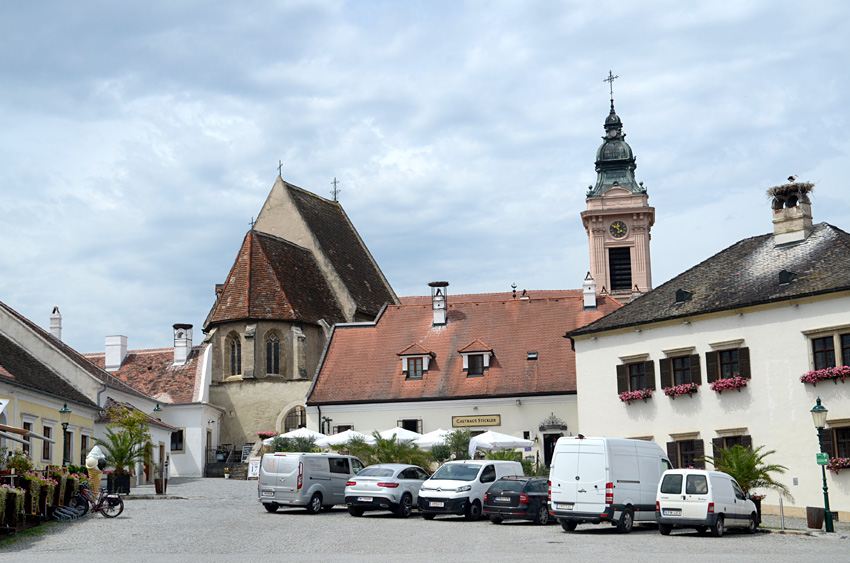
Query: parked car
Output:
(696,498)
(386,486)
(314,481)
(458,487)
(518,498)
(612,480)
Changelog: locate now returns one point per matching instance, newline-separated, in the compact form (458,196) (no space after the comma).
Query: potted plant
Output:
(160,480)
(629,396)
(19,462)
(125,440)
(227,473)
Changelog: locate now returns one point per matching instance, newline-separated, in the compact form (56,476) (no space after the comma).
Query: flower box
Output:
(629,396)
(266,434)
(722,385)
(836,464)
(835,374)
(683,389)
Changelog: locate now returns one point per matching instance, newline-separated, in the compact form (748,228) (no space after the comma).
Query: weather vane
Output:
(335,191)
(610,80)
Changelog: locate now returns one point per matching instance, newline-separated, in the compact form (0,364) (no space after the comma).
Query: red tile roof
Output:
(415,349)
(361,363)
(274,279)
(152,372)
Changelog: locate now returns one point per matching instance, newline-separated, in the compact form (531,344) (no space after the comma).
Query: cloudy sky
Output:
(137,140)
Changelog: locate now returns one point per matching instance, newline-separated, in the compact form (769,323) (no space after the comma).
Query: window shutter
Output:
(744,362)
(399,423)
(711,366)
(673,453)
(699,454)
(696,372)
(622,384)
(828,442)
(649,369)
(664,371)
(419,426)
(747,441)
(717,443)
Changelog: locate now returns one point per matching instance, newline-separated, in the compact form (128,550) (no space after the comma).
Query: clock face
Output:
(618,229)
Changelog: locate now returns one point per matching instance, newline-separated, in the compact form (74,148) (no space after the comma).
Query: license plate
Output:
(268,493)
(364,499)
(671,512)
(436,504)
(562,506)
(503,499)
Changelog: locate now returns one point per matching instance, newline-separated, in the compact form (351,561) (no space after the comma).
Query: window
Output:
(412,424)
(84,447)
(272,355)
(686,453)
(823,350)
(295,418)
(635,376)
(68,444)
(726,442)
(489,474)
(342,428)
(414,368)
(46,449)
(476,365)
(620,268)
(235,347)
(727,363)
(177,441)
(338,465)
(836,441)
(845,349)
(28,446)
(679,370)
(696,485)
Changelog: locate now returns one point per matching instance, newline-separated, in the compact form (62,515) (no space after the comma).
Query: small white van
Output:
(458,487)
(312,480)
(696,498)
(613,480)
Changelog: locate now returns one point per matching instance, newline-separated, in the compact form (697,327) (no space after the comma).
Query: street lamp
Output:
(65,418)
(819,416)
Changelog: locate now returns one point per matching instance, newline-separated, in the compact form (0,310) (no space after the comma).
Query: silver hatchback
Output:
(386,486)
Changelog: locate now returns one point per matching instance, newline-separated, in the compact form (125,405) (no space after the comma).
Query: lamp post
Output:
(65,418)
(819,416)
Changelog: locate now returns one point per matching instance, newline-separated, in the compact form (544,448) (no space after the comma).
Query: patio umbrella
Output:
(401,434)
(495,441)
(298,433)
(431,439)
(343,438)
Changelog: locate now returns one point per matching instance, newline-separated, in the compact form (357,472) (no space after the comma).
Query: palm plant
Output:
(748,468)
(391,450)
(123,450)
(504,454)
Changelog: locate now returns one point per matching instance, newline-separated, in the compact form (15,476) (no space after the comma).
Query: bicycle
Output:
(109,505)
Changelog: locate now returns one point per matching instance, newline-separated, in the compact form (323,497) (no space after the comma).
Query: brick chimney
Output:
(56,324)
(116,351)
(182,343)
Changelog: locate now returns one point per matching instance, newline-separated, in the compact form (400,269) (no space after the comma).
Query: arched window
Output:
(295,418)
(272,354)
(235,349)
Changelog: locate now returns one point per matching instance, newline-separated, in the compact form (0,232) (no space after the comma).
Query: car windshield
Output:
(672,484)
(456,472)
(509,485)
(376,472)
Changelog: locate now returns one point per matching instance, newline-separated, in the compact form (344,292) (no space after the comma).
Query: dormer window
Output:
(476,358)
(415,360)
(414,368)
(475,365)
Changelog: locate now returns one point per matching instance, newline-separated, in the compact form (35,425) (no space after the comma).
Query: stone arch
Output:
(280,427)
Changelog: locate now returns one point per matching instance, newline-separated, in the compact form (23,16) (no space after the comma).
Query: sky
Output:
(139,139)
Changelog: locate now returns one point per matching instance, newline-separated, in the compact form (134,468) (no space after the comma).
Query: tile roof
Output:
(361,362)
(96,372)
(274,279)
(743,275)
(22,368)
(113,404)
(346,251)
(152,372)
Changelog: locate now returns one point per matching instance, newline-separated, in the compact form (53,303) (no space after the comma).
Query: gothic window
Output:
(234,349)
(272,354)
(295,418)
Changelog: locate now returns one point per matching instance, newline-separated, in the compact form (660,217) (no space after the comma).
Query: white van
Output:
(458,487)
(696,498)
(314,481)
(611,480)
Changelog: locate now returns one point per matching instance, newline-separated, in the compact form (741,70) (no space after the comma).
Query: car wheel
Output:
(752,525)
(473,511)
(354,511)
(665,529)
(569,525)
(717,528)
(626,521)
(404,507)
(701,530)
(496,519)
(428,515)
(542,516)
(315,505)
(271,506)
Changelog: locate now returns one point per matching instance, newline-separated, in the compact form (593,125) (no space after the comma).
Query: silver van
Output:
(314,481)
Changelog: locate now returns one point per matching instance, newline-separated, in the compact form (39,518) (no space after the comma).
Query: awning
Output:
(40,437)
(13,437)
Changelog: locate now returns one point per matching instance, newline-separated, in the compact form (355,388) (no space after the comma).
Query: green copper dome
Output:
(615,161)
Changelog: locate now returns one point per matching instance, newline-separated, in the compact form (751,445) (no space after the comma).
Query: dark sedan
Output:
(519,498)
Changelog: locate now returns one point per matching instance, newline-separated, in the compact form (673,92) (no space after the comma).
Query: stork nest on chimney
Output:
(802,188)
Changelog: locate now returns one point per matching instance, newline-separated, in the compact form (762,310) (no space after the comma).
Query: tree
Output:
(458,443)
(440,453)
(748,468)
(127,434)
(300,444)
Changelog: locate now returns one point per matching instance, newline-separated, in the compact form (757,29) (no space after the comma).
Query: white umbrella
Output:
(431,439)
(495,441)
(401,434)
(343,438)
(297,433)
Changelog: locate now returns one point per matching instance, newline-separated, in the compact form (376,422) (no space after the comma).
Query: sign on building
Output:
(477,420)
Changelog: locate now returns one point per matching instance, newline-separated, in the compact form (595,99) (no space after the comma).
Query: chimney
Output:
(56,324)
(116,351)
(589,291)
(438,301)
(182,343)
(792,212)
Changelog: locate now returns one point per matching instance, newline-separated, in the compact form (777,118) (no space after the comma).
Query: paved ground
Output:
(217,519)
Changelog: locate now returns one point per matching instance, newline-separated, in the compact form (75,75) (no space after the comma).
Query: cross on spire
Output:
(280,168)
(252,223)
(335,191)
(610,80)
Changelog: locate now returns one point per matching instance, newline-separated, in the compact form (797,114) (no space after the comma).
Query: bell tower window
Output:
(620,266)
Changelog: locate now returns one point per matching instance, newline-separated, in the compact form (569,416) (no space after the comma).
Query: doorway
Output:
(549,441)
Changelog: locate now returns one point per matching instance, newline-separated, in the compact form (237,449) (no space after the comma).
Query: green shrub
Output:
(293,444)
(440,453)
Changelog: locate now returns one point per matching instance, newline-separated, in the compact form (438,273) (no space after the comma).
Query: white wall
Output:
(195,419)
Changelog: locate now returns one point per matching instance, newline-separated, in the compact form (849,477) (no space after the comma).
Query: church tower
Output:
(618,216)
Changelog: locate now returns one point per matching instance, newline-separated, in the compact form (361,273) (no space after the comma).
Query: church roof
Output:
(152,372)
(361,362)
(274,279)
(344,248)
(744,275)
